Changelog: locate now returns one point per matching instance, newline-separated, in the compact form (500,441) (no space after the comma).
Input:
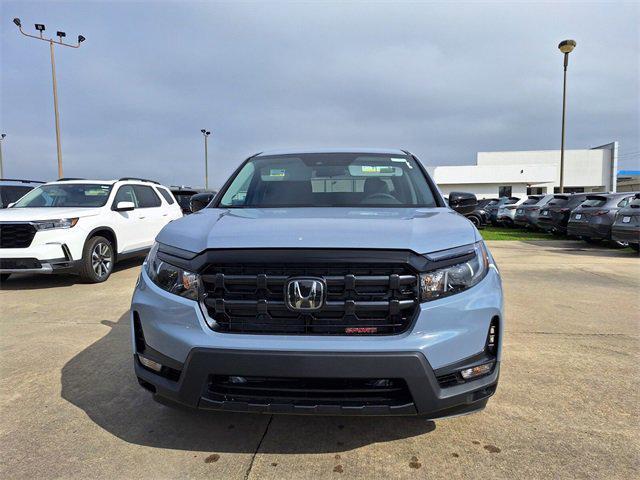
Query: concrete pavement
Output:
(566,406)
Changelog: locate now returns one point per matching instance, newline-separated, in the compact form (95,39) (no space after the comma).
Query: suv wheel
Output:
(97,260)
(617,244)
(635,246)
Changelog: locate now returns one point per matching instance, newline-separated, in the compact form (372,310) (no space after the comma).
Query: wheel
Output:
(617,244)
(475,220)
(556,233)
(4,277)
(590,240)
(635,246)
(97,260)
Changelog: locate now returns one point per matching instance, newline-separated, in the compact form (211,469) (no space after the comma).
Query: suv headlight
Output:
(51,224)
(169,277)
(457,277)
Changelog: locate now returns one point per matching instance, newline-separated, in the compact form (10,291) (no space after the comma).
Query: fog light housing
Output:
(155,366)
(477,371)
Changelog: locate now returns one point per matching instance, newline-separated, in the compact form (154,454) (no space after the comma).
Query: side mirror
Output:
(124,206)
(462,202)
(200,201)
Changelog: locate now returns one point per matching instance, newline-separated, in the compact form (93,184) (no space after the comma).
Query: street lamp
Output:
(566,47)
(205,134)
(41,28)
(2,135)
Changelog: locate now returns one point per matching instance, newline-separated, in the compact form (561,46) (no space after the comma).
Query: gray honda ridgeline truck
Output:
(321,282)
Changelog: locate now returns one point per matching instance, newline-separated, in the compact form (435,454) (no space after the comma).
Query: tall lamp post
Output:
(566,47)
(40,28)
(2,135)
(205,134)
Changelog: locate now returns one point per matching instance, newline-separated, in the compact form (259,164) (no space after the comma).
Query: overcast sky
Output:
(443,80)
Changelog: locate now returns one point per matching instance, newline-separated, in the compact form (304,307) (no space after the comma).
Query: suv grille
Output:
(16,235)
(369,299)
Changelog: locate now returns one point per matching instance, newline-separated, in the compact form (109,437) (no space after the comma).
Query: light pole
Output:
(205,134)
(566,47)
(2,135)
(40,28)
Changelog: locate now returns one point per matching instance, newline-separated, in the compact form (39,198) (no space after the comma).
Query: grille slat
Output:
(310,391)
(361,299)
(16,235)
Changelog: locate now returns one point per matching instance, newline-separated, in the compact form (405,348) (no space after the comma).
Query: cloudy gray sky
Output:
(444,80)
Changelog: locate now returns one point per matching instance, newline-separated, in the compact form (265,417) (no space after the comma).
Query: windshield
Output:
(329,180)
(66,195)
(531,200)
(183,198)
(9,194)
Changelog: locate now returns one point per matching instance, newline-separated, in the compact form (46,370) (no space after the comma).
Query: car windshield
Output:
(11,193)
(531,200)
(183,198)
(66,195)
(329,180)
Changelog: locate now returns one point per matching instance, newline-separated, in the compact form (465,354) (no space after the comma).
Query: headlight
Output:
(455,278)
(51,224)
(169,277)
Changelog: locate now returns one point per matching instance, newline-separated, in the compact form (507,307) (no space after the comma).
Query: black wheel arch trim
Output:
(93,233)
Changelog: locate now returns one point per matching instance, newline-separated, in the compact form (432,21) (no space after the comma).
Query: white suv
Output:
(83,226)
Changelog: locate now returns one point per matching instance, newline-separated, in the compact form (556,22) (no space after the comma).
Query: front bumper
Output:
(33,265)
(50,251)
(445,332)
(427,398)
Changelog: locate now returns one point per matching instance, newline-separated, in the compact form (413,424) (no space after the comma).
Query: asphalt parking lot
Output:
(566,406)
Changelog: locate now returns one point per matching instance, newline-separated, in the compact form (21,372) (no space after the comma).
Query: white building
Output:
(532,172)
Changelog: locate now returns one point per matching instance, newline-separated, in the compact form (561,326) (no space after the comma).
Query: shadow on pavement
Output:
(100,380)
(25,281)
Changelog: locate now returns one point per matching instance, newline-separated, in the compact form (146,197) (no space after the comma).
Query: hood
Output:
(44,213)
(422,230)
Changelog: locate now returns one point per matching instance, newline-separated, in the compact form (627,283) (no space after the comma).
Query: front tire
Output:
(97,260)
(617,244)
(635,246)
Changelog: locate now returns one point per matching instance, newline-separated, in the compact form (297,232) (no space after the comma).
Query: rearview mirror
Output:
(200,201)
(463,202)
(124,206)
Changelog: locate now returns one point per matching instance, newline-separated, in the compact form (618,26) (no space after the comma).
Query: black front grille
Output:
(16,235)
(309,391)
(361,299)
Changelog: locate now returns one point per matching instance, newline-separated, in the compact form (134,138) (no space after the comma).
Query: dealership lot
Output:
(566,406)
